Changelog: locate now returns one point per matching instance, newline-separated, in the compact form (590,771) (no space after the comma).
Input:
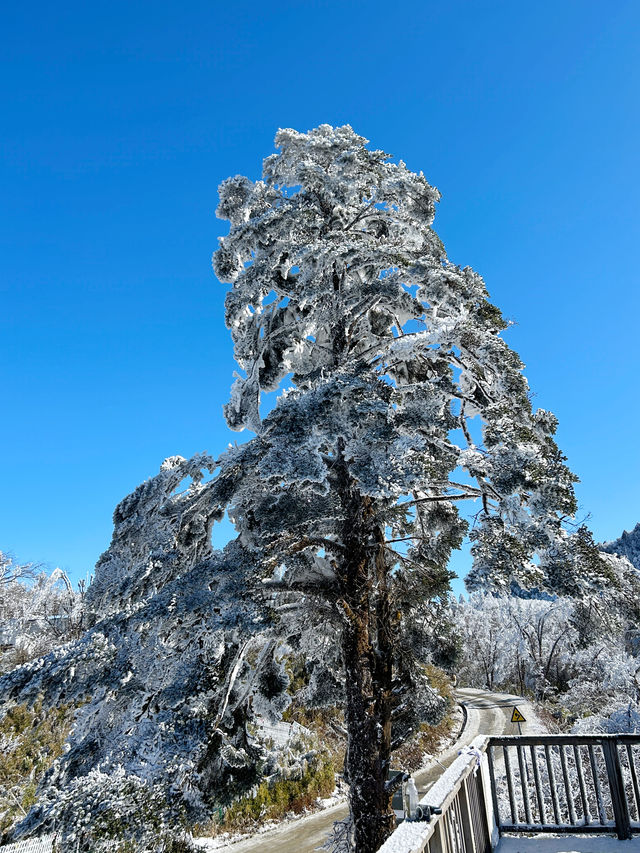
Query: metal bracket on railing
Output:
(425,812)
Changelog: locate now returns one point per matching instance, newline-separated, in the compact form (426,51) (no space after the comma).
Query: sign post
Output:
(517,717)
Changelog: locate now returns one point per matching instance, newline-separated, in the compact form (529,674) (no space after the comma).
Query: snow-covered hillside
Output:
(166,677)
(628,545)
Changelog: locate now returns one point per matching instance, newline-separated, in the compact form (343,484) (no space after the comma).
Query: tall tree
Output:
(398,400)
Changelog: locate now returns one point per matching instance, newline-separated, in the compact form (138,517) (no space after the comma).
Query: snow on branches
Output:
(402,402)
(340,283)
(164,681)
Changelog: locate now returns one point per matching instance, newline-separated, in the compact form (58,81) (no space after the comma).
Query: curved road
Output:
(487,713)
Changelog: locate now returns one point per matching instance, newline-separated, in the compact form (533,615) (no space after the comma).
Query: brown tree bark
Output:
(367,655)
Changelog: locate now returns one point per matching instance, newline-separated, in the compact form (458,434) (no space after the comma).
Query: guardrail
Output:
(566,783)
(465,824)
(528,784)
(31,845)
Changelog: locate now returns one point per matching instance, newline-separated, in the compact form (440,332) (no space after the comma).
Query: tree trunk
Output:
(367,656)
(367,760)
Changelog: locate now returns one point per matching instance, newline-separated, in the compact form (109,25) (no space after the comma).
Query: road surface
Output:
(487,713)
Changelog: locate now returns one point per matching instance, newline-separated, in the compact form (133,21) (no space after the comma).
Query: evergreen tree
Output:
(401,401)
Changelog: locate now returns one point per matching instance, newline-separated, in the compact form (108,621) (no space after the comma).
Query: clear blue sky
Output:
(118,122)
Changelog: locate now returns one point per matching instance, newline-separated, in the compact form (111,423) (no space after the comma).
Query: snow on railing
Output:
(556,783)
(539,783)
(466,819)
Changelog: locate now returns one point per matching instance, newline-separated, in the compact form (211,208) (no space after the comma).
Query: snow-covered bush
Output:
(611,719)
(604,677)
(106,807)
(167,678)
(37,612)
(574,651)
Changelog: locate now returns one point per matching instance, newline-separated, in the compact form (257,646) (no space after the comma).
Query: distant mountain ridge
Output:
(627,545)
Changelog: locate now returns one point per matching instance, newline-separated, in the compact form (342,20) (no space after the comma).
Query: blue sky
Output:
(118,122)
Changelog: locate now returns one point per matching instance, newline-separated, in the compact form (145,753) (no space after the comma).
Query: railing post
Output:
(467,816)
(487,801)
(616,786)
(493,784)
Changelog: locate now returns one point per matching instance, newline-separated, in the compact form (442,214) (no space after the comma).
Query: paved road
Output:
(487,713)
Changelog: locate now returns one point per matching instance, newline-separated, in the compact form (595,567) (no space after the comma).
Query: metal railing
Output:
(541,783)
(31,845)
(465,821)
(566,783)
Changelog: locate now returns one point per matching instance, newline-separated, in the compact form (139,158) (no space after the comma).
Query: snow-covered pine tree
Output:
(401,401)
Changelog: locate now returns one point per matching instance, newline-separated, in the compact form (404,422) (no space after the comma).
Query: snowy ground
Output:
(568,844)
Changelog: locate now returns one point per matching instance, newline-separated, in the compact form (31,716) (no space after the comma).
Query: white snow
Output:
(439,791)
(412,836)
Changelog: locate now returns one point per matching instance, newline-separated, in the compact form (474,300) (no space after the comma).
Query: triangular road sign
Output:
(517,717)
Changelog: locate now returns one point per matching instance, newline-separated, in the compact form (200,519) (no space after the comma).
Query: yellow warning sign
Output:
(517,717)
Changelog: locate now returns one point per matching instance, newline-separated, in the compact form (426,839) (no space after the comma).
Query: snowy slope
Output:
(166,677)
(628,545)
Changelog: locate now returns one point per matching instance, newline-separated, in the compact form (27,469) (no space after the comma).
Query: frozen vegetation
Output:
(577,654)
(397,403)
(164,682)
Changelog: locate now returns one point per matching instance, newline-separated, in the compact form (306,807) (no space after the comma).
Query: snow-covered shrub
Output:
(604,677)
(105,806)
(611,719)
(37,612)
(165,679)
(30,740)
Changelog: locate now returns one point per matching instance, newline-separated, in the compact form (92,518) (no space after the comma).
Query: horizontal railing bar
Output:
(560,829)
(552,740)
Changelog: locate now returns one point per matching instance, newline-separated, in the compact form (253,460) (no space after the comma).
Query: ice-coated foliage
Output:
(339,281)
(160,531)
(166,679)
(37,612)
(401,400)
(576,652)
(611,719)
(516,643)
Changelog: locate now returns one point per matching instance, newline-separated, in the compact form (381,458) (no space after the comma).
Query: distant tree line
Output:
(38,611)
(579,654)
